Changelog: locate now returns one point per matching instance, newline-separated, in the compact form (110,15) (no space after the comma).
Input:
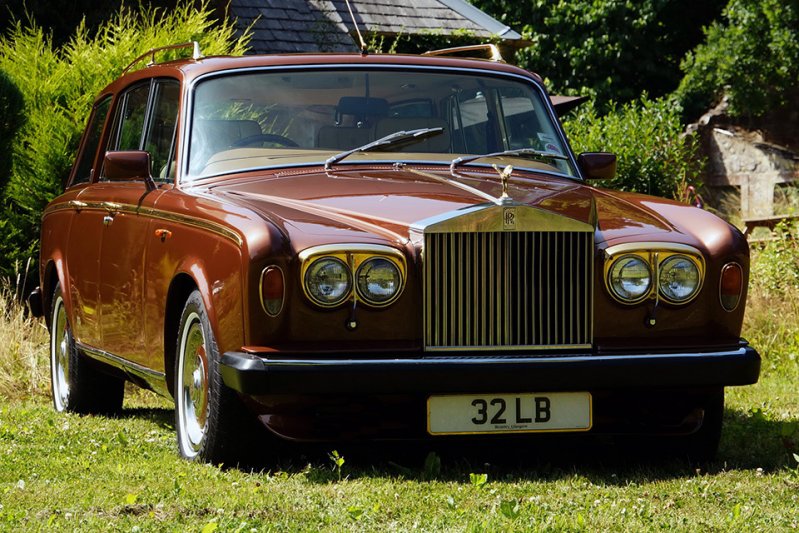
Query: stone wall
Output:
(740,155)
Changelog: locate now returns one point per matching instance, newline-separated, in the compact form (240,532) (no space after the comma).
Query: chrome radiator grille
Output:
(508,290)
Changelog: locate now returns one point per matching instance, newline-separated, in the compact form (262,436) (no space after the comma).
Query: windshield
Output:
(265,119)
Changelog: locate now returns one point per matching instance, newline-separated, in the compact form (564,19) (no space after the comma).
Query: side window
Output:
(134,110)
(161,129)
(526,123)
(83,171)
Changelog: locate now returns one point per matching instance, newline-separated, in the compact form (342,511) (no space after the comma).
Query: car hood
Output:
(356,204)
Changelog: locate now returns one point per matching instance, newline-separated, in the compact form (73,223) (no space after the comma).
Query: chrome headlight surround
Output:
(327,263)
(658,256)
(363,284)
(669,288)
(617,278)
(355,257)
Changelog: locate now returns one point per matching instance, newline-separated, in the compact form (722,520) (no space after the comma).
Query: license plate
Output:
(509,413)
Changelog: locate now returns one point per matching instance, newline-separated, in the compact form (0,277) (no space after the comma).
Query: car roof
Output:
(189,69)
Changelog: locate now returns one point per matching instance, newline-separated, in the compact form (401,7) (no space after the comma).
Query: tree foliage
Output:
(59,86)
(654,157)
(610,49)
(752,55)
(59,18)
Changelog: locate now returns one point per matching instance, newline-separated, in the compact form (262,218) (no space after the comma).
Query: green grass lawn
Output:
(93,473)
(73,473)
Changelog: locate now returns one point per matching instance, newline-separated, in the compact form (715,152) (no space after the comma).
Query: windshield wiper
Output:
(519,152)
(397,138)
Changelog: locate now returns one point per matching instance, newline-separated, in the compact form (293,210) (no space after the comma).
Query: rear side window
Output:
(85,164)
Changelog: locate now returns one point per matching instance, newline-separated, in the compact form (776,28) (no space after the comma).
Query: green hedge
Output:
(59,86)
(654,157)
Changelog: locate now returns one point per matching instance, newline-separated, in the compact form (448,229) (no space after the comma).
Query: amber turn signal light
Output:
(272,290)
(163,234)
(731,286)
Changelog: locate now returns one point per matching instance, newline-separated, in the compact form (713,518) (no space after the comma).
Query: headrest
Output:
(362,107)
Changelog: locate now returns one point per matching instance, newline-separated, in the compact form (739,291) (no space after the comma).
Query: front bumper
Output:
(451,374)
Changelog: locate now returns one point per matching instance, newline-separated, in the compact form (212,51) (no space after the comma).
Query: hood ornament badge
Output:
(504,175)
(508,213)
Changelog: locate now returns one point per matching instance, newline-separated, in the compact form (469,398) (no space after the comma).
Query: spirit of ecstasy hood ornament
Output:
(504,175)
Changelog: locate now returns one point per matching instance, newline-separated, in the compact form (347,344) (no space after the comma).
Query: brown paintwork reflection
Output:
(122,270)
(281,215)
(395,199)
(82,254)
(213,263)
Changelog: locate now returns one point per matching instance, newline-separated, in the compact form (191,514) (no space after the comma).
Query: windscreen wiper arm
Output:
(539,154)
(397,138)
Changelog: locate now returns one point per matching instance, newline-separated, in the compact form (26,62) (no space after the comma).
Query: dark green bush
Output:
(752,56)
(654,157)
(12,116)
(609,49)
(59,86)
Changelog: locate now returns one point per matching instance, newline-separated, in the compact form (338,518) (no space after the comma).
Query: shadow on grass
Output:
(163,418)
(749,441)
(147,405)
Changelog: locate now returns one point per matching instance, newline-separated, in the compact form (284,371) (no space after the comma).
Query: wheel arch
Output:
(53,275)
(180,288)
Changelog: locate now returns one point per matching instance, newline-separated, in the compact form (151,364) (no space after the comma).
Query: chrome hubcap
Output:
(60,341)
(192,387)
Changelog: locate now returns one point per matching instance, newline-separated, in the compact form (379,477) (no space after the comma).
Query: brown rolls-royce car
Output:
(378,247)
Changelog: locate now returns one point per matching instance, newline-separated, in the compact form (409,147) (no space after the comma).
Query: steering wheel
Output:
(265,137)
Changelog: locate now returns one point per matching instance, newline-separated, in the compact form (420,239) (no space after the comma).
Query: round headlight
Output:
(328,281)
(630,278)
(378,281)
(678,278)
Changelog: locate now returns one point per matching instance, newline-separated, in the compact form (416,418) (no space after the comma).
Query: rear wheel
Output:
(78,386)
(210,418)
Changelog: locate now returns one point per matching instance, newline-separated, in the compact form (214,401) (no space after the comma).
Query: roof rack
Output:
(194,45)
(490,48)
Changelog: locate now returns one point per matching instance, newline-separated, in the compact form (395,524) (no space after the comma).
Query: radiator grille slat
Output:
(508,290)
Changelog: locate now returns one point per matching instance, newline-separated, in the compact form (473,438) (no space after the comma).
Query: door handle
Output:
(107,220)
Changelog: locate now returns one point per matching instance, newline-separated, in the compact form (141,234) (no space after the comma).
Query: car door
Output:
(84,223)
(145,120)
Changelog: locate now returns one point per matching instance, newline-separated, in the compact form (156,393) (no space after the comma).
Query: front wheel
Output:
(78,386)
(703,444)
(210,418)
